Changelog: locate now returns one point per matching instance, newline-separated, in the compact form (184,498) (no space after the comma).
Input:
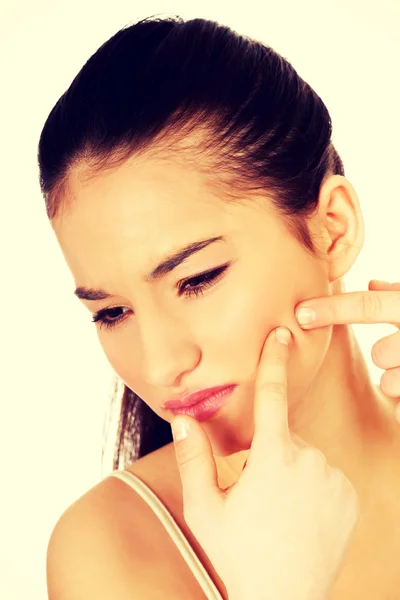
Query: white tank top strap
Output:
(173,529)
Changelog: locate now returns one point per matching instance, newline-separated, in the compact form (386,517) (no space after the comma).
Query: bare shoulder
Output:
(98,548)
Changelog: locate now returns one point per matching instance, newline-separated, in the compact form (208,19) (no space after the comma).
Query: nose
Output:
(168,351)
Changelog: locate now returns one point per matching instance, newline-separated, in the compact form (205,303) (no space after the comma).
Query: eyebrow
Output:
(166,266)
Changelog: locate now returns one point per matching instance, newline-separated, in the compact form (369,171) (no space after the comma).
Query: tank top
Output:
(175,532)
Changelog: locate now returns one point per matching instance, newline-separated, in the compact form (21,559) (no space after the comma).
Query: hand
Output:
(282,529)
(379,305)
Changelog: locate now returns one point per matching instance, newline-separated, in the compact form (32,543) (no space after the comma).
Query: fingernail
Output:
(180,429)
(283,335)
(305,316)
(381,282)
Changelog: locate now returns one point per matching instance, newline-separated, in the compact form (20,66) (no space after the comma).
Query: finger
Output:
(385,352)
(271,426)
(390,383)
(197,469)
(376,284)
(353,307)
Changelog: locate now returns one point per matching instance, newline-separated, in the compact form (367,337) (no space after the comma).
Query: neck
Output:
(343,414)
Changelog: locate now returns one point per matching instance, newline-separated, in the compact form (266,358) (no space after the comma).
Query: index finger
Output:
(354,307)
(271,426)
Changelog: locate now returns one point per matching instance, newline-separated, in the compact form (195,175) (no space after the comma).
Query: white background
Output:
(56,383)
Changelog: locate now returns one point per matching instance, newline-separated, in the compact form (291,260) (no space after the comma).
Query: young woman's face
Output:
(166,341)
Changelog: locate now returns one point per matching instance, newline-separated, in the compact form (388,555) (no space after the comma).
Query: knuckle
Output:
(371,307)
(313,457)
(338,478)
(346,486)
(390,382)
(335,472)
(345,490)
(378,353)
(188,455)
(386,352)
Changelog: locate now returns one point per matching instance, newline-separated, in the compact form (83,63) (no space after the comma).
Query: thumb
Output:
(197,467)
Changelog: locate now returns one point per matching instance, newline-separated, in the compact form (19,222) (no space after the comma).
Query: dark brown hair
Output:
(197,92)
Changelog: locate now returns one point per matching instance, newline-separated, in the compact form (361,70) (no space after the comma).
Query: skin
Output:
(120,225)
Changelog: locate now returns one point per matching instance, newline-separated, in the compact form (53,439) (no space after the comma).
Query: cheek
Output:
(112,348)
(121,356)
(248,319)
(124,358)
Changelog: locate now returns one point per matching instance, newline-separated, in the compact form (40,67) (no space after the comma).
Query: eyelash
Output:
(207,279)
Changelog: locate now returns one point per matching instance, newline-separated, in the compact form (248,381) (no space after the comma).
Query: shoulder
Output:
(97,548)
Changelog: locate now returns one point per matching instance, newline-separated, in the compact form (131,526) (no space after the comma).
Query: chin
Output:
(226,446)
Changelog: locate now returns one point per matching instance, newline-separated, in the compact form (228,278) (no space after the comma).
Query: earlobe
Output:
(341,225)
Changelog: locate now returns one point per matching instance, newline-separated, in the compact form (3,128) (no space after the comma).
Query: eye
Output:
(201,282)
(197,286)
(102,315)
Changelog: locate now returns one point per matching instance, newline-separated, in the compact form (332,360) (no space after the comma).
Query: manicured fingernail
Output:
(283,335)
(305,316)
(180,429)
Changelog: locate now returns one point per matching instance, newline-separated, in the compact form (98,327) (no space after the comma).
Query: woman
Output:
(184,135)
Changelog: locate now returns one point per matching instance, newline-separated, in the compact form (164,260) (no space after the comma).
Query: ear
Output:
(338,226)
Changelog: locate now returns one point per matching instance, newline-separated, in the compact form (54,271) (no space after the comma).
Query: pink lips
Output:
(209,406)
(191,399)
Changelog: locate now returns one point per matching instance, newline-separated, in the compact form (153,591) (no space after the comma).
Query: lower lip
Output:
(201,411)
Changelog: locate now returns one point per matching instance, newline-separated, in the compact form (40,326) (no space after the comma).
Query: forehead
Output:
(152,194)
(137,213)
